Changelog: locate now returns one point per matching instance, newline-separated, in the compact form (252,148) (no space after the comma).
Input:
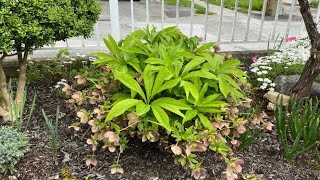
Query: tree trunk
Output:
(312,68)
(4,93)
(271,7)
(22,77)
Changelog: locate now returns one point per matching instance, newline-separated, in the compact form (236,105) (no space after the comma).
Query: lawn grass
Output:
(186,3)
(314,3)
(243,5)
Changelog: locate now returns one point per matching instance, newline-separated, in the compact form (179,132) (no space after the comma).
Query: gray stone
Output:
(285,83)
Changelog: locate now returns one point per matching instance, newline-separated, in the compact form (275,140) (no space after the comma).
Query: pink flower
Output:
(254,59)
(292,38)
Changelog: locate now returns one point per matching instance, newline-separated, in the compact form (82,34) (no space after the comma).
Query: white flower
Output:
(273,84)
(254,70)
(57,86)
(259,73)
(271,89)
(260,79)
(63,80)
(264,72)
(267,80)
(263,87)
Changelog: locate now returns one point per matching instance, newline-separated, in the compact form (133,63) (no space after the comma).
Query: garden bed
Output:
(263,158)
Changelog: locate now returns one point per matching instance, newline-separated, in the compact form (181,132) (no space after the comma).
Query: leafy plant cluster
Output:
(298,126)
(163,87)
(13,146)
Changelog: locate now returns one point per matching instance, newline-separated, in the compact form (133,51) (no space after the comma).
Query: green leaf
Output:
(161,117)
(112,45)
(201,73)
(224,87)
(163,75)
(229,80)
(155,61)
(142,108)
(230,64)
(119,97)
(103,58)
(168,85)
(172,105)
(190,88)
(149,80)
(129,82)
(217,60)
(193,63)
(210,110)
(133,50)
(121,107)
(203,91)
(205,122)
(204,47)
(190,114)
(218,104)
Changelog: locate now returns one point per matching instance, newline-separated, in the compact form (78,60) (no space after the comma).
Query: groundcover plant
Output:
(161,86)
(288,60)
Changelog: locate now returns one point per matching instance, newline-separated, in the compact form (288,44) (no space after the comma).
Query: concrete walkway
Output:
(104,27)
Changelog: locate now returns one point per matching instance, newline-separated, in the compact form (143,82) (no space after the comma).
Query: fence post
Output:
(114,18)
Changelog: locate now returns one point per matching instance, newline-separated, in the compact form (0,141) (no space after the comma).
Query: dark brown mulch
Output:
(141,161)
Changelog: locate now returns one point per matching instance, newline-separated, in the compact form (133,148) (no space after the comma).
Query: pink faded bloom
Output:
(254,59)
(291,38)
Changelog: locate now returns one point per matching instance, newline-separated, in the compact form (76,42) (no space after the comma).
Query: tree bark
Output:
(312,67)
(4,93)
(271,7)
(22,77)
(3,84)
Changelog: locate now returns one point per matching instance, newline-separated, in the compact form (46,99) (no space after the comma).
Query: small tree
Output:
(26,25)
(312,67)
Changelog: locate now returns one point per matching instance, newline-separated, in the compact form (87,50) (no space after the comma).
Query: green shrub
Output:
(168,89)
(27,25)
(298,126)
(13,146)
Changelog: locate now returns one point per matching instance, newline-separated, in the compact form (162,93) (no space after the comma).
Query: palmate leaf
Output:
(103,58)
(129,82)
(193,63)
(112,45)
(161,117)
(142,108)
(190,88)
(167,85)
(172,105)
(121,107)
(163,74)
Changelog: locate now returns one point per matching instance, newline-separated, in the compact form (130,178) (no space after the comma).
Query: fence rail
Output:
(224,26)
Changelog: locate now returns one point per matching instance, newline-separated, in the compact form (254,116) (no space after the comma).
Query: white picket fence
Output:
(226,26)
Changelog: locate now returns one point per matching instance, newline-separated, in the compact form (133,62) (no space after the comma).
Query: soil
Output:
(141,161)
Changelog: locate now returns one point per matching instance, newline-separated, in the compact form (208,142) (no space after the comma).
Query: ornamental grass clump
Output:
(13,146)
(162,86)
(298,126)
